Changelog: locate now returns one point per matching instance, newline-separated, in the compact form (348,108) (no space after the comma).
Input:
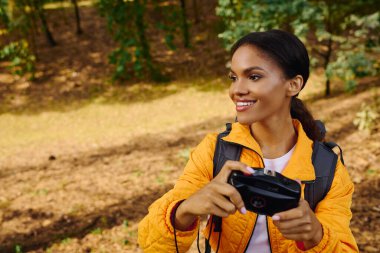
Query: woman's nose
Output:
(239,87)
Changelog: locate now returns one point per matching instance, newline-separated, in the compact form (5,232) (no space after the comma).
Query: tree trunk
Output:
(329,48)
(326,63)
(196,12)
(185,27)
(145,51)
(33,33)
(45,28)
(4,19)
(77,16)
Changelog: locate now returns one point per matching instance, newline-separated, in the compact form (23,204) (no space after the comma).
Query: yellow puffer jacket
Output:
(156,231)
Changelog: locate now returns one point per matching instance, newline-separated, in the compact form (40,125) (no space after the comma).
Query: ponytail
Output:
(299,111)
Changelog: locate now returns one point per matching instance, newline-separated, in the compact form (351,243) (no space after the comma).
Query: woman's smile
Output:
(243,105)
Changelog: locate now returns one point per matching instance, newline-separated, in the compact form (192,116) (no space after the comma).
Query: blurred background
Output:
(101,102)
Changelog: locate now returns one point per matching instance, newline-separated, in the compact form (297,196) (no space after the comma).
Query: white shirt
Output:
(259,241)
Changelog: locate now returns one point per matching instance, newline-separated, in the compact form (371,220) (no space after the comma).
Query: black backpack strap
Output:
(321,127)
(324,161)
(224,151)
(332,145)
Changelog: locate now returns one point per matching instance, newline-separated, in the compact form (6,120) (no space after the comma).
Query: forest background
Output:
(101,102)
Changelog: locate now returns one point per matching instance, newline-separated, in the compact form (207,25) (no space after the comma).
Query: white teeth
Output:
(245,103)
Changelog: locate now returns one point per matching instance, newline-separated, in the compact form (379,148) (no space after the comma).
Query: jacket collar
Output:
(300,164)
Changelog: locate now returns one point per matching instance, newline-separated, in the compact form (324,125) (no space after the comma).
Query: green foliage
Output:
(4,19)
(67,240)
(126,223)
(97,231)
(118,14)
(350,65)
(242,17)
(129,23)
(126,21)
(171,19)
(18,249)
(339,34)
(22,61)
(169,30)
(184,154)
(355,58)
(22,17)
(16,50)
(367,116)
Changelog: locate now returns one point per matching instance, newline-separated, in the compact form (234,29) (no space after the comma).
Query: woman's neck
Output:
(275,137)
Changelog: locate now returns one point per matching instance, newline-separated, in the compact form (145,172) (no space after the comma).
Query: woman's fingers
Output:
(219,212)
(299,224)
(226,189)
(218,197)
(225,205)
(303,228)
(295,213)
(284,225)
(293,219)
(230,166)
(228,194)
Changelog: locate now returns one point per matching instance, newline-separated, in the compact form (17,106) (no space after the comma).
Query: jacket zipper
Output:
(250,237)
(257,216)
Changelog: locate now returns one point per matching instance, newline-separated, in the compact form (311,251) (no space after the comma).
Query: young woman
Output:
(268,70)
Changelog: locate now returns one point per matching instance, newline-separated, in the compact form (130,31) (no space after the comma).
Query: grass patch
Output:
(66,241)
(97,231)
(41,192)
(126,223)
(5,204)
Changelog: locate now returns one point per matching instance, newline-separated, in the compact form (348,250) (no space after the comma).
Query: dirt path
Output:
(71,196)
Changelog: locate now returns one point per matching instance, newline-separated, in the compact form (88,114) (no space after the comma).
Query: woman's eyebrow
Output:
(248,70)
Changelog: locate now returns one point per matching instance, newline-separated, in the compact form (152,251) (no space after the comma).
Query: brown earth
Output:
(92,201)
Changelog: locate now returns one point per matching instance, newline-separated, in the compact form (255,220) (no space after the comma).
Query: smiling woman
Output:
(275,131)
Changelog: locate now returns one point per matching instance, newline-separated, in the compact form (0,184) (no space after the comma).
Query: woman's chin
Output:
(245,121)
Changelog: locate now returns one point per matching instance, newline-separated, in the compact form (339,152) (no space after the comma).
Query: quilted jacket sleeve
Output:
(334,213)
(155,231)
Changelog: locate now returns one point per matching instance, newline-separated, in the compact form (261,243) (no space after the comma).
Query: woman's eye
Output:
(233,78)
(254,77)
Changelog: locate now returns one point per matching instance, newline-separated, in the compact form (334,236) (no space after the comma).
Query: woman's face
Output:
(259,88)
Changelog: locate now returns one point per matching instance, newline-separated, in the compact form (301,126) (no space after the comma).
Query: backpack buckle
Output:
(269,172)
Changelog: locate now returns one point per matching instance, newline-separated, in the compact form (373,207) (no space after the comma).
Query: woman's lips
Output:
(243,106)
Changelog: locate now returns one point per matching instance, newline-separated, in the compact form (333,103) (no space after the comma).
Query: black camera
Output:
(266,192)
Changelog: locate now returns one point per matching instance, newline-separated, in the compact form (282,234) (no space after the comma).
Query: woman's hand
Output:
(300,224)
(216,198)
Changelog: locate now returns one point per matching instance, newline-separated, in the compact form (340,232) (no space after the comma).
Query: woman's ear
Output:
(294,86)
